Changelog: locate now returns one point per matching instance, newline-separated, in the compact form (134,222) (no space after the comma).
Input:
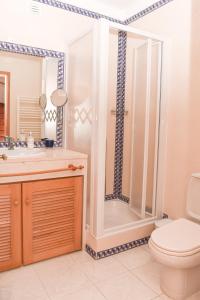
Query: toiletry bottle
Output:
(30,141)
(22,136)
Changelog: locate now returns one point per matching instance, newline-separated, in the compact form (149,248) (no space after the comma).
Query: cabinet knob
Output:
(27,201)
(16,202)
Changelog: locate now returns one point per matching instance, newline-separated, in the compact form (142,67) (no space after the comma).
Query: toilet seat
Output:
(180,238)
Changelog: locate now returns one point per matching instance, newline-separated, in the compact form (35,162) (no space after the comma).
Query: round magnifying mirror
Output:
(43,101)
(59,97)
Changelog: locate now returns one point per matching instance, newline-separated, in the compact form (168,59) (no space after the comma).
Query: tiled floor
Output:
(132,275)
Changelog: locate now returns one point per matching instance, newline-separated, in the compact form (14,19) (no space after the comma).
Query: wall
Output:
(51,28)
(173,21)
(194,121)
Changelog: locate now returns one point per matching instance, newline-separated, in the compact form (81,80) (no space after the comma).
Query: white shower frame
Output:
(98,151)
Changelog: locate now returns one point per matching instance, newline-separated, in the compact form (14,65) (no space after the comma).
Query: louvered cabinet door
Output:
(52,218)
(10,226)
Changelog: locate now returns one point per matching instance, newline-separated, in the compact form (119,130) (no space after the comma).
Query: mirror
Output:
(26,84)
(4,104)
(59,98)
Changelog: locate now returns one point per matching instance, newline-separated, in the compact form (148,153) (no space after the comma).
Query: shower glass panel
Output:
(132,128)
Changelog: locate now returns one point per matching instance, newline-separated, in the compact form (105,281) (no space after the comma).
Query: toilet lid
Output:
(180,236)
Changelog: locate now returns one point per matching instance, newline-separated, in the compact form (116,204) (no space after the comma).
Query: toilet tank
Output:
(193,197)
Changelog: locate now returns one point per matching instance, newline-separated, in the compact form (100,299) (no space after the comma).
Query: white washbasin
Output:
(22,152)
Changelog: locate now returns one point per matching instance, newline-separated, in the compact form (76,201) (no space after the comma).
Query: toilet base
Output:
(179,284)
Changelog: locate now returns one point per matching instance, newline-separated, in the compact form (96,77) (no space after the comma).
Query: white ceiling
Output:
(120,9)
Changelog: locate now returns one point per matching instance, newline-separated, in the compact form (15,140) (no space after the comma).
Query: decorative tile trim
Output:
(146,11)
(124,198)
(110,197)
(120,110)
(40,52)
(95,15)
(18,144)
(119,197)
(117,249)
(78,10)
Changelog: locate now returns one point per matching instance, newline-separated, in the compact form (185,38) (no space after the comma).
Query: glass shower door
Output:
(145,126)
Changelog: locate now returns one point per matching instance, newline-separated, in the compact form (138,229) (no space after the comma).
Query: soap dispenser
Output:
(30,141)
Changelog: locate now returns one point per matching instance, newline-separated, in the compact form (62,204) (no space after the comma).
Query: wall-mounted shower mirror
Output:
(26,83)
(133,129)
(59,98)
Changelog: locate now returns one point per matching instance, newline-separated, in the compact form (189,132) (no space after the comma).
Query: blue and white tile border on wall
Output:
(40,52)
(117,249)
(95,15)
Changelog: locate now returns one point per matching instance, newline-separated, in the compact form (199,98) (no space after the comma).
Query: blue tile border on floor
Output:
(117,249)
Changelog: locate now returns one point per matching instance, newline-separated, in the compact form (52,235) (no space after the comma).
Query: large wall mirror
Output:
(28,77)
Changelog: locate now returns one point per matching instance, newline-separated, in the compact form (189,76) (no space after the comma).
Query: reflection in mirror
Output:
(30,77)
(131,165)
(4,104)
(43,101)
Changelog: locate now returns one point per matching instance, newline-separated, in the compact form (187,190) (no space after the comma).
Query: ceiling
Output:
(121,9)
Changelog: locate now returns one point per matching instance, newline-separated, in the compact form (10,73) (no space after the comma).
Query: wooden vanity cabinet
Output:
(10,226)
(52,218)
(49,215)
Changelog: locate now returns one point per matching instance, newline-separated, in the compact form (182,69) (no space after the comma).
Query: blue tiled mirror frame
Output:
(40,52)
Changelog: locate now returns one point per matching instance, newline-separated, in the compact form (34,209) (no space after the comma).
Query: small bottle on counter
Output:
(22,136)
(30,141)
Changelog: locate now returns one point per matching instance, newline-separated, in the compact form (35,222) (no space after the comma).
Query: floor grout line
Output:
(42,284)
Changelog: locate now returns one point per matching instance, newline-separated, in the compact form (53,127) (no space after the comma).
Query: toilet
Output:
(176,246)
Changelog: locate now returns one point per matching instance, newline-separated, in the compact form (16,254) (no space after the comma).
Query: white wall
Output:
(52,28)
(173,21)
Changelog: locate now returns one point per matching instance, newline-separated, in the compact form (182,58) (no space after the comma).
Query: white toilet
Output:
(177,247)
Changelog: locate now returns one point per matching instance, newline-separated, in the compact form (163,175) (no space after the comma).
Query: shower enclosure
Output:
(115,113)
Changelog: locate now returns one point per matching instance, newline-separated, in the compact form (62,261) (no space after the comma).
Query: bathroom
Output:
(99,149)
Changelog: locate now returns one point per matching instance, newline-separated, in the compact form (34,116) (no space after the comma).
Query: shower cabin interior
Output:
(114,115)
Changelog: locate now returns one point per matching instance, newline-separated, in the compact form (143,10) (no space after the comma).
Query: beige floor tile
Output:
(84,294)
(196,296)
(125,287)
(81,256)
(134,258)
(21,284)
(53,265)
(103,268)
(163,297)
(62,275)
(145,247)
(150,275)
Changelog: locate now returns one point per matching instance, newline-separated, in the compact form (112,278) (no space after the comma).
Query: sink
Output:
(22,152)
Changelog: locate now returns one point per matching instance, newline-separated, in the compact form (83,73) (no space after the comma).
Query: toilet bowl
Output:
(176,246)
